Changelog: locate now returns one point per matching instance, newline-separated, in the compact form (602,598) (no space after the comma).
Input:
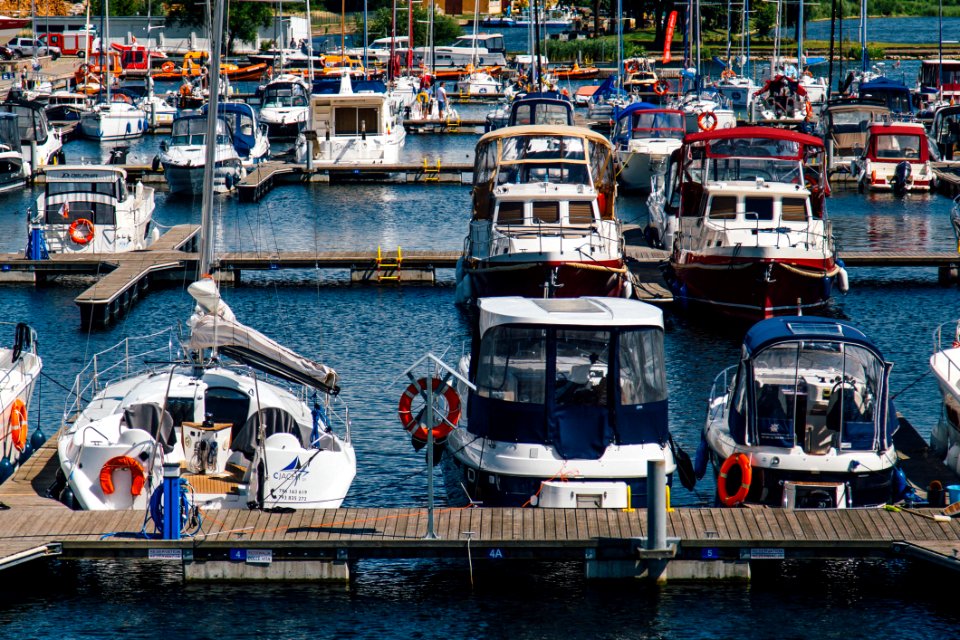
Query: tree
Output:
(119,7)
(245,18)
(445,28)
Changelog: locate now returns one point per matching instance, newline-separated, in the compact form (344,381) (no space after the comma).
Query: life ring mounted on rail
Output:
(808,110)
(726,74)
(168,67)
(423,97)
(137,475)
(18,424)
(742,462)
(84,236)
(444,423)
(661,87)
(707,121)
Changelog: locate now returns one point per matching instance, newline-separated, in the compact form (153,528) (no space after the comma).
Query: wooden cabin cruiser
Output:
(241,414)
(183,160)
(543,222)
(781,101)
(114,120)
(248,136)
(357,128)
(645,137)
(547,108)
(12,173)
(90,209)
(40,143)
(752,240)
(20,366)
(844,124)
(897,158)
(570,405)
(285,106)
(804,421)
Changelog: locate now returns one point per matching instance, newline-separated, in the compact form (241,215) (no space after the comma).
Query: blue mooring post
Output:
(171,501)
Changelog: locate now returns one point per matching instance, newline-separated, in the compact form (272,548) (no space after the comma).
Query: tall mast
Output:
(364,36)
(105,39)
(310,45)
(409,36)
(343,32)
(393,39)
(476,17)
(619,46)
(433,44)
(210,157)
(800,38)
(864,59)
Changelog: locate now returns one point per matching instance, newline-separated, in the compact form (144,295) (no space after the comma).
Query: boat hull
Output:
(528,279)
(188,180)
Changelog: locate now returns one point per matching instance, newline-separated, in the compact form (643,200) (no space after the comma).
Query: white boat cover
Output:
(220,330)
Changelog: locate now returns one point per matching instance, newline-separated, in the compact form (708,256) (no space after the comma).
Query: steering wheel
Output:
(845,381)
(910,152)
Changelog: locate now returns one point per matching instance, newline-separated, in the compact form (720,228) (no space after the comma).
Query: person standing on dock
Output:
(441,98)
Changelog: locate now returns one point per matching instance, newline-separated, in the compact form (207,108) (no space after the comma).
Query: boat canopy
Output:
(649,122)
(541,108)
(84,173)
(32,120)
(894,93)
(215,327)
(575,374)
(192,130)
(241,120)
(9,131)
(896,142)
(818,383)
(755,142)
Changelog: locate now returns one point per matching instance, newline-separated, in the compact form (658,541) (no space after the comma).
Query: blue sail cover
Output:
(236,114)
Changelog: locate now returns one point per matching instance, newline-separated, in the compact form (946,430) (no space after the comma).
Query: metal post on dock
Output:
(656,505)
(431,534)
(171,500)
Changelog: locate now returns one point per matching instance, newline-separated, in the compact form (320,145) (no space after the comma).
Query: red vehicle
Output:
(71,43)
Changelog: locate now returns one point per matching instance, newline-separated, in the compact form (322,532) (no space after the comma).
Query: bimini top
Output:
(84,173)
(585,312)
(546,130)
(897,129)
(765,133)
(793,328)
(633,107)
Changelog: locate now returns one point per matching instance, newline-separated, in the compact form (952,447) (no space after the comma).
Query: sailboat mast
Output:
(536,40)
(105,39)
(309,44)
(343,32)
(864,59)
(746,38)
(210,157)
(365,65)
(393,40)
(730,33)
(800,38)
(619,46)
(409,36)
(476,17)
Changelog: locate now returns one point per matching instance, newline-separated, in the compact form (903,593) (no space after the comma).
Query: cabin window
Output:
(352,121)
(758,208)
(642,375)
(511,364)
(894,146)
(723,208)
(222,404)
(510,213)
(546,212)
(581,213)
(103,188)
(794,210)
(582,366)
(96,212)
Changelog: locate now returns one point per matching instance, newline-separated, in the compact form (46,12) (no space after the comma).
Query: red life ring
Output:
(137,479)
(445,423)
(168,67)
(707,121)
(79,237)
(661,87)
(746,476)
(18,424)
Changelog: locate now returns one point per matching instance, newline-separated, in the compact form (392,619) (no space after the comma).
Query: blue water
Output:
(909,30)
(370,335)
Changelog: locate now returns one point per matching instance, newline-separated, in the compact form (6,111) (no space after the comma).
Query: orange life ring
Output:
(809,110)
(707,121)
(168,67)
(727,73)
(79,237)
(18,424)
(661,87)
(444,425)
(138,476)
(741,461)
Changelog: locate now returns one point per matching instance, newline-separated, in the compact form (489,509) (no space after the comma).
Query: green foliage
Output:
(445,28)
(244,21)
(590,50)
(764,18)
(875,53)
(119,7)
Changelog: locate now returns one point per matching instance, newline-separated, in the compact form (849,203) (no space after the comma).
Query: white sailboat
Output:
(241,430)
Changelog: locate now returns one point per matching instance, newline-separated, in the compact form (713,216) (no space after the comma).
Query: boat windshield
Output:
(542,113)
(657,125)
(821,394)
(193,131)
(526,159)
(898,146)
(847,119)
(9,133)
(31,122)
(275,97)
(746,169)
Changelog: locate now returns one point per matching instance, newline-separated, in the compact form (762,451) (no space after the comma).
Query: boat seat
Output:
(155,420)
(774,425)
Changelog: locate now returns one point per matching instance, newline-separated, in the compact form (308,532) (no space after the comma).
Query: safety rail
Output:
(825,237)
(721,380)
(21,364)
(938,348)
(384,264)
(431,173)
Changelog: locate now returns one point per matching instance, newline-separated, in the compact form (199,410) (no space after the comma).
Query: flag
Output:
(668,36)
(65,210)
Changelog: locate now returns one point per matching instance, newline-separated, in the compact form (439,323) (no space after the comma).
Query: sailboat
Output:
(477,81)
(738,87)
(112,120)
(248,421)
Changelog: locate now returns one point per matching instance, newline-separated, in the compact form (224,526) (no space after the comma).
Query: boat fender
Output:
(843,280)
(744,475)
(18,424)
(685,468)
(700,459)
(445,422)
(137,479)
(6,468)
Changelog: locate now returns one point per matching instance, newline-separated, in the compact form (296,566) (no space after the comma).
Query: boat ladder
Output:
(453,125)
(388,268)
(431,173)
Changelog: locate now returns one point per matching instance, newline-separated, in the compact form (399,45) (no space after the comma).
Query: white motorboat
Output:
(12,174)
(40,144)
(945,364)
(737,89)
(478,83)
(67,106)
(804,421)
(781,101)
(20,366)
(113,121)
(481,50)
(350,127)
(570,405)
(705,110)
(184,159)
(249,137)
(645,139)
(90,209)
(285,106)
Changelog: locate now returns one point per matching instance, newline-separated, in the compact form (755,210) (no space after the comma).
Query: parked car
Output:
(5,53)
(30,47)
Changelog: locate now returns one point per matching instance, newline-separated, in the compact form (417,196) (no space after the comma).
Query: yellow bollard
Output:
(629,508)
(669,508)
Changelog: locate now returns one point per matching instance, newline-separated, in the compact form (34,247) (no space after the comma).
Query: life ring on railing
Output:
(445,424)
(808,108)
(137,475)
(81,237)
(422,97)
(661,87)
(727,74)
(168,67)
(707,121)
(18,424)
(742,462)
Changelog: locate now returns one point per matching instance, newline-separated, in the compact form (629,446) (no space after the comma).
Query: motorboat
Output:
(945,364)
(183,160)
(114,120)
(247,134)
(67,106)
(896,158)
(575,72)
(478,83)
(90,209)
(645,137)
(705,110)
(570,405)
(285,106)
(736,88)
(804,420)
(752,238)
(480,50)
(893,93)
(549,108)
(641,80)
(12,173)
(781,101)
(20,367)
(40,144)
(945,131)
(355,128)
(241,429)
(844,124)
(543,221)
(194,65)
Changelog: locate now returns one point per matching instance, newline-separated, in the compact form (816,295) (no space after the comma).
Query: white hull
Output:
(188,179)
(114,124)
(16,383)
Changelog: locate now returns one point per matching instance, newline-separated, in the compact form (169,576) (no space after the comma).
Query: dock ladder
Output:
(431,173)
(453,125)
(387,268)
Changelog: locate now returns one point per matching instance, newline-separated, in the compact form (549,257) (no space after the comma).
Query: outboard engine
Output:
(901,178)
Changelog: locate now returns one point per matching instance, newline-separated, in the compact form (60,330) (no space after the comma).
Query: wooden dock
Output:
(704,543)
